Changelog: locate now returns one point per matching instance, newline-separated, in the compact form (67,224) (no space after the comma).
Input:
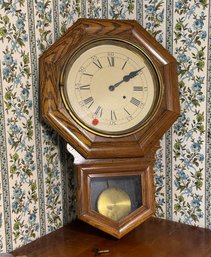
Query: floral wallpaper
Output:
(36,184)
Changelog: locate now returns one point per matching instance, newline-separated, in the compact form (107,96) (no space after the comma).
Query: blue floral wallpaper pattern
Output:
(36,184)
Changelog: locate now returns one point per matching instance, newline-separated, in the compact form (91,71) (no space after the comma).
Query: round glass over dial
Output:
(111,87)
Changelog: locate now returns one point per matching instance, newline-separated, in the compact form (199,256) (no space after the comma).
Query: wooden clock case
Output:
(106,155)
(95,169)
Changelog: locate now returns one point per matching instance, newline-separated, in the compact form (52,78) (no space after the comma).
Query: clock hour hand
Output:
(126,78)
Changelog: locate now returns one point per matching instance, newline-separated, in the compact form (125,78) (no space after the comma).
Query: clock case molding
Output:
(95,155)
(56,115)
(94,169)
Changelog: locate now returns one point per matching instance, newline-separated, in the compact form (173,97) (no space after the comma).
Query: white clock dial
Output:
(111,88)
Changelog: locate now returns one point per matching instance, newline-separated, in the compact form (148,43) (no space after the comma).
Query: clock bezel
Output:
(158,85)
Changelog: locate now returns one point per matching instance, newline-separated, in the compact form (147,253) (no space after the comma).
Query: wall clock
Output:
(111,91)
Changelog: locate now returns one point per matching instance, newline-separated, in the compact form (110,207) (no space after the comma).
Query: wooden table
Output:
(153,238)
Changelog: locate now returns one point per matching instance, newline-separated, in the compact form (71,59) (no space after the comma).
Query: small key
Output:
(98,252)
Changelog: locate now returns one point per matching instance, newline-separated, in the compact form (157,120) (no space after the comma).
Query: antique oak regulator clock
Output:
(111,91)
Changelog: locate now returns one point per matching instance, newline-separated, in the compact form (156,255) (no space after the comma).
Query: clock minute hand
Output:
(126,78)
(131,75)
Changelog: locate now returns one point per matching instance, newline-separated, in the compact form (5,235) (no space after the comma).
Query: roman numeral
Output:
(113,115)
(137,88)
(111,60)
(98,64)
(89,101)
(88,74)
(99,111)
(135,101)
(124,65)
(129,117)
(127,111)
(84,87)
(113,118)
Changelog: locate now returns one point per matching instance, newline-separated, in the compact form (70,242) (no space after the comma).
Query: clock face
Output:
(111,87)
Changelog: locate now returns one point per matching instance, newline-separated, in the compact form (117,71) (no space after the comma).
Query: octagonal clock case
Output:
(111,91)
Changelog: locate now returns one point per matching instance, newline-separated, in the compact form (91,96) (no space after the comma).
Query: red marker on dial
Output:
(95,122)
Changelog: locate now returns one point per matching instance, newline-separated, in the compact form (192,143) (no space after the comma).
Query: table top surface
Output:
(153,238)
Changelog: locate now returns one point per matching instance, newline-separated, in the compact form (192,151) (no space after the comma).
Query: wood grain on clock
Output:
(55,114)
(113,149)
(95,169)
